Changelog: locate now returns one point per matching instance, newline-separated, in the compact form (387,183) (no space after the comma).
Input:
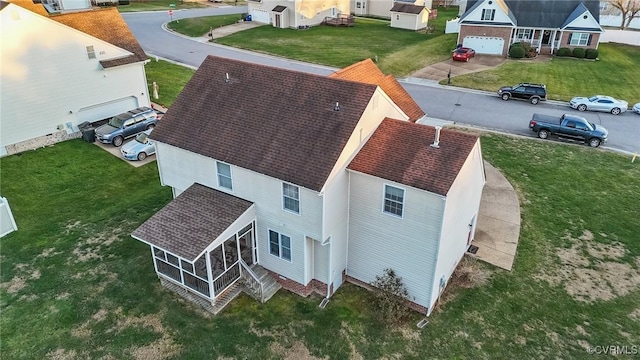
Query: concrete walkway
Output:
(498,226)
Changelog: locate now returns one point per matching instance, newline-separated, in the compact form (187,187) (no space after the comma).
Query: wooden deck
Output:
(342,20)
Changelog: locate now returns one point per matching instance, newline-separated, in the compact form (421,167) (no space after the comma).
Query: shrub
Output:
(123,2)
(564,52)
(591,53)
(578,53)
(516,52)
(390,298)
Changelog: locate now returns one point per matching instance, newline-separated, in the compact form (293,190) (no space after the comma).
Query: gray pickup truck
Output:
(569,127)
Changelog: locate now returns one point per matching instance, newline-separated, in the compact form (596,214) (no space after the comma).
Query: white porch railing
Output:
(252,280)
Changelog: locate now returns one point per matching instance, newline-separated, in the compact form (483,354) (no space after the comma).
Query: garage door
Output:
(484,44)
(259,15)
(107,109)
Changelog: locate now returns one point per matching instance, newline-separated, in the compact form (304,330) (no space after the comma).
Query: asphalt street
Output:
(460,106)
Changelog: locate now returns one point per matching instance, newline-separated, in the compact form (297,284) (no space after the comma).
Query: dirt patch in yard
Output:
(589,271)
(61,354)
(469,274)
(298,351)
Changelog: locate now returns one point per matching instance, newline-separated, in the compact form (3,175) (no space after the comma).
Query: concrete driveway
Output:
(439,71)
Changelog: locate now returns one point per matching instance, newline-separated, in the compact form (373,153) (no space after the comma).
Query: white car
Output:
(599,103)
(636,108)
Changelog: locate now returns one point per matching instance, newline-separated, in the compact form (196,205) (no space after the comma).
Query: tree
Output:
(629,9)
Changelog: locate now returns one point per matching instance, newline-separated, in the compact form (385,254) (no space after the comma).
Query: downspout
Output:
(329,272)
(435,263)
(346,251)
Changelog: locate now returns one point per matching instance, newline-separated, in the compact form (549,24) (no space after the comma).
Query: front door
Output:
(546,37)
(248,247)
(277,18)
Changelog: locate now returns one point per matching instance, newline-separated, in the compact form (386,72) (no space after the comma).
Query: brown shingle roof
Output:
(367,72)
(273,121)
(400,151)
(407,8)
(192,221)
(107,25)
(31,6)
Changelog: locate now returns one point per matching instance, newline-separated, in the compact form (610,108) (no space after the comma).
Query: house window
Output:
(358,5)
(488,14)
(579,39)
(524,34)
(91,53)
(291,197)
(280,245)
(224,175)
(393,200)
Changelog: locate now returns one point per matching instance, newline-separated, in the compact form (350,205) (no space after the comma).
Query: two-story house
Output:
(311,180)
(491,26)
(62,69)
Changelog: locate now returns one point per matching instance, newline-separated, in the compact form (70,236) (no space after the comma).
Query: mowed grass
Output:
(157,5)
(75,285)
(170,78)
(398,51)
(200,26)
(615,74)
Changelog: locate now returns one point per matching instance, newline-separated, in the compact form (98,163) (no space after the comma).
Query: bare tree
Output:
(629,9)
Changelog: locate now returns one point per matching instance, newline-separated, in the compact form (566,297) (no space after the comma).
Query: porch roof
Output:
(192,221)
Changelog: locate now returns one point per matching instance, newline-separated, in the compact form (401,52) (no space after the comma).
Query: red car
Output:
(463,54)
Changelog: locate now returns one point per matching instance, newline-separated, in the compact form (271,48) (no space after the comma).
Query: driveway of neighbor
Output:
(439,71)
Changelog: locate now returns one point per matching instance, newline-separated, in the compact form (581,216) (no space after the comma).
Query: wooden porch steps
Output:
(227,296)
(269,285)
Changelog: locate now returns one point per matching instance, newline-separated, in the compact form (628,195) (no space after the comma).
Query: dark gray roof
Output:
(551,14)
(273,121)
(407,8)
(279,8)
(192,221)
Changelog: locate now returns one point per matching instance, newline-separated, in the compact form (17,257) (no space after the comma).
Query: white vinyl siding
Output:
(393,200)
(291,198)
(26,116)
(224,175)
(378,241)
(180,168)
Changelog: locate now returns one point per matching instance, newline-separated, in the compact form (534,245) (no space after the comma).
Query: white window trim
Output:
(218,174)
(490,12)
(579,37)
(91,52)
(280,245)
(298,199)
(384,199)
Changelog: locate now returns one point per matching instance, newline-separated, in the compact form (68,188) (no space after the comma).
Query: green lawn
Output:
(156,5)
(75,285)
(200,26)
(615,74)
(170,79)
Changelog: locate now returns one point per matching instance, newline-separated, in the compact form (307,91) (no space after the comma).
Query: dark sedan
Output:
(463,54)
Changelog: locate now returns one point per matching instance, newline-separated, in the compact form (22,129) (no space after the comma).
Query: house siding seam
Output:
(501,32)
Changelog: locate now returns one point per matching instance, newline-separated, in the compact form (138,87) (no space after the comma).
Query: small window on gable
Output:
(91,53)
(393,200)
(488,14)
(291,197)
(224,175)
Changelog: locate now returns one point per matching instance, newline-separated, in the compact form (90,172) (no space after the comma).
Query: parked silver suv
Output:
(126,125)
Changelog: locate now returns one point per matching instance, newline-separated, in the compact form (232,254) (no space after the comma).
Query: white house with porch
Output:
(302,181)
(491,26)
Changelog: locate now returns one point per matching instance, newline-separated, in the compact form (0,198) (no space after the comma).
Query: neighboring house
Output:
(382,8)
(59,70)
(309,181)
(491,26)
(296,13)
(409,16)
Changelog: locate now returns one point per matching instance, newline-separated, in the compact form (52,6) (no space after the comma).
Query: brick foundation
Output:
(314,286)
(413,306)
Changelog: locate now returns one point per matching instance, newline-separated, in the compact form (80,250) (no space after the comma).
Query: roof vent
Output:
(337,107)
(226,79)
(436,141)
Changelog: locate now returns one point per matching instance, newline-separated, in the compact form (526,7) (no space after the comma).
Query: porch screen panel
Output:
(168,269)
(231,251)
(217,262)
